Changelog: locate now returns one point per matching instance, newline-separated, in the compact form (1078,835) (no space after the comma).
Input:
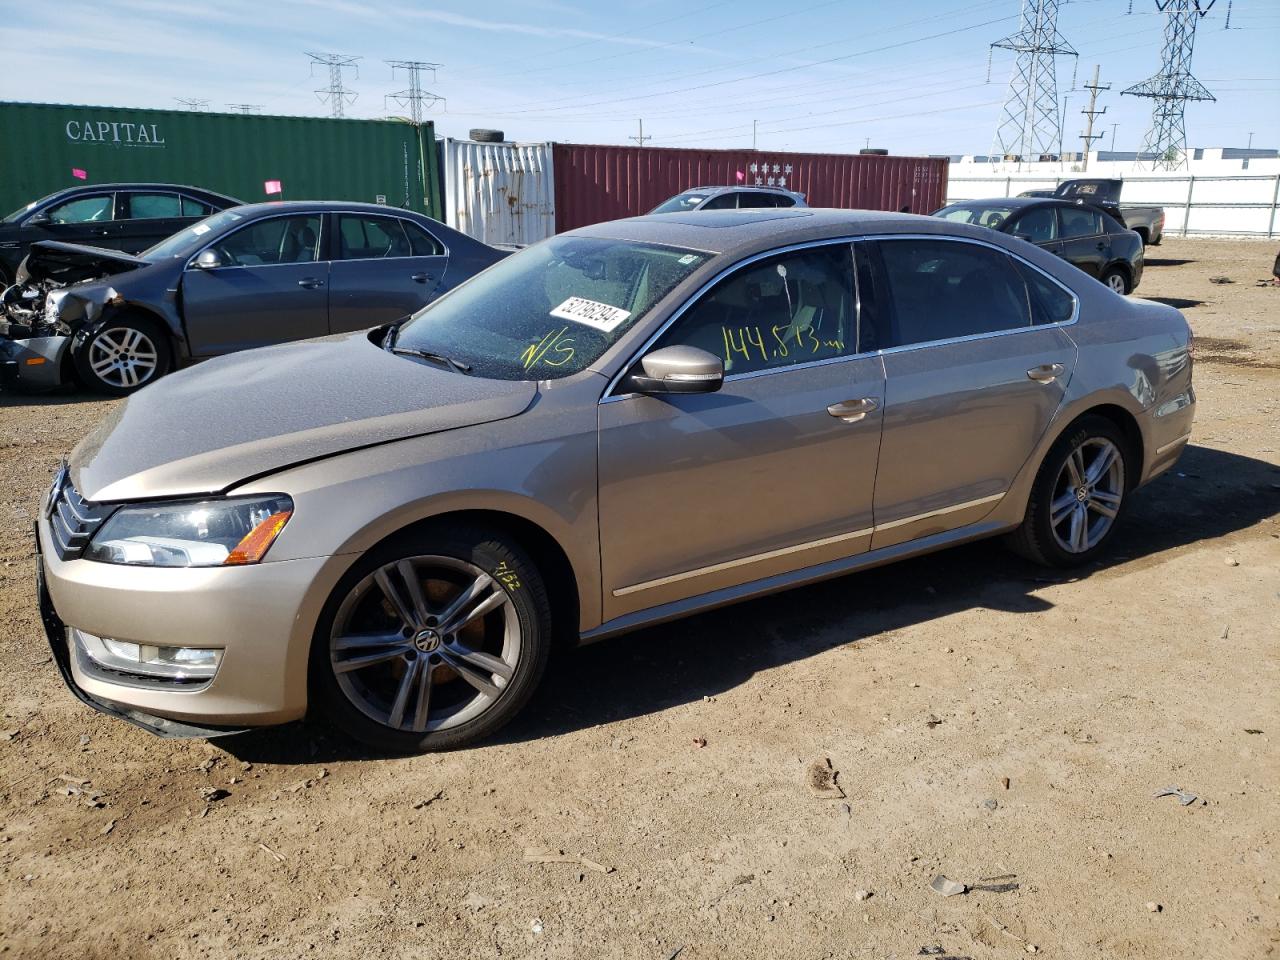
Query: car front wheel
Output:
(1078,496)
(123,356)
(432,641)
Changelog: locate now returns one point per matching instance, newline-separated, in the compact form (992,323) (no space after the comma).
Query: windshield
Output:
(184,242)
(680,203)
(991,216)
(551,310)
(19,213)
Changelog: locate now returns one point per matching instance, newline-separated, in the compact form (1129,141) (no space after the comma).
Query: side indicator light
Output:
(258,540)
(35,361)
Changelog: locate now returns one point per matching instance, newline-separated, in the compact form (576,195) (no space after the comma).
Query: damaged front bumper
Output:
(34,363)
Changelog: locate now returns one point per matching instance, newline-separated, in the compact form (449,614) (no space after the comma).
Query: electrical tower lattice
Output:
(1173,86)
(1031,126)
(414,97)
(336,94)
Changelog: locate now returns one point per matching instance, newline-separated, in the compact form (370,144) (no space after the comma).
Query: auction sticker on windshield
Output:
(591,313)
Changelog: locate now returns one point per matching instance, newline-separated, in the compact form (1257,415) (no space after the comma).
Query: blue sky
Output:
(829,75)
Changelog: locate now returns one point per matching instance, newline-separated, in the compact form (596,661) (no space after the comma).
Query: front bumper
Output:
(261,616)
(36,363)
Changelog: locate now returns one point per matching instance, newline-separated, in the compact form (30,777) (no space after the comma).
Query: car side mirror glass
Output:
(39,219)
(679,369)
(208,260)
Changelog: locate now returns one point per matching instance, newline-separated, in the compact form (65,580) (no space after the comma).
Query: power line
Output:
(1171,88)
(336,94)
(195,104)
(1030,125)
(414,97)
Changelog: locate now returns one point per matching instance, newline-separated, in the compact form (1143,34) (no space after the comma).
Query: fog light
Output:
(149,661)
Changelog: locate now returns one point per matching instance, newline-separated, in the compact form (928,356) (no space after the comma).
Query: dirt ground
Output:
(925,683)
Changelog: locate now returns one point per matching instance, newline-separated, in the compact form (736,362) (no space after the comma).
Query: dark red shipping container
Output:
(596,183)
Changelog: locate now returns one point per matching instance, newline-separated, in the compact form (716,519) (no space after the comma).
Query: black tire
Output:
(512,571)
(1035,538)
(480,135)
(1118,280)
(150,362)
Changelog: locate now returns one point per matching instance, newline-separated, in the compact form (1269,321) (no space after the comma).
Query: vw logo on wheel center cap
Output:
(427,640)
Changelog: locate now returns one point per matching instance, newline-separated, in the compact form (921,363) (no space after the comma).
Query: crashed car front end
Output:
(54,298)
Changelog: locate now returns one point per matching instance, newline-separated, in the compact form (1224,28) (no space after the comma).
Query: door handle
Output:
(1046,372)
(310,283)
(851,411)
(1102,246)
(421,277)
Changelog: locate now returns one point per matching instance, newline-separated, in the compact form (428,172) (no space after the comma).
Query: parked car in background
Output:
(246,277)
(1080,234)
(729,198)
(617,426)
(117,216)
(1144,220)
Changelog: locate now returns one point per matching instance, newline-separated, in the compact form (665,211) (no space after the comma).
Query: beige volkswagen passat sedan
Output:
(618,426)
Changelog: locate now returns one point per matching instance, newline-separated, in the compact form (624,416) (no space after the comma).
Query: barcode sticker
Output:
(591,313)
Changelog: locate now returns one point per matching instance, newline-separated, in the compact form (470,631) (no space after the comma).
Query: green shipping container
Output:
(45,147)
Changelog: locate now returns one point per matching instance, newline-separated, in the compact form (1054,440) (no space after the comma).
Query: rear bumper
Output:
(1166,431)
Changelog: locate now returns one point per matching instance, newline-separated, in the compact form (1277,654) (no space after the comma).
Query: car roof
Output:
(325,206)
(133,185)
(1015,203)
(744,232)
(742,186)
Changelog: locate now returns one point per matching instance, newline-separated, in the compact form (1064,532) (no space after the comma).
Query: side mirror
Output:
(679,369)
(208,260)
(1024,236)
(40,219)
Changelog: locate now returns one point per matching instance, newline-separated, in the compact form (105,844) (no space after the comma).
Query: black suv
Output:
(120,216)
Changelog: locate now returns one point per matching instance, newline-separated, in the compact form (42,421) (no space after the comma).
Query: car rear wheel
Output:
(432,642)
(1078,496)
(123,356)
(1117,280)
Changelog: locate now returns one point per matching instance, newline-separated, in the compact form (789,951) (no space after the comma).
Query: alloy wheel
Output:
(425,643)
(123,357)
(1087,495)
(1116,282)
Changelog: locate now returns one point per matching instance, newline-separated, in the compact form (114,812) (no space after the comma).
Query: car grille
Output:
(73,520)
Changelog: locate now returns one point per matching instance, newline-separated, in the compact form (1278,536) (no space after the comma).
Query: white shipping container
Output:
(500,192)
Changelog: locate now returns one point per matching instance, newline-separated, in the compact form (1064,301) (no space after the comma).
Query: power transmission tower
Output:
(1030,125)
(642,138)
(414,97)
(336,94)
(245,107)
(193,103)
(1173,86)
(1092,113)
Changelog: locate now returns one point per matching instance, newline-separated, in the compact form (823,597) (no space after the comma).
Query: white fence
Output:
(500,192)
(1240,205)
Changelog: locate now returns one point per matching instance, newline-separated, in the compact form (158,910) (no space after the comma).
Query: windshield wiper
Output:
(433,357)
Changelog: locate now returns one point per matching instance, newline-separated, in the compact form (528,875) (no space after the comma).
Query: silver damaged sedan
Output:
(618,426)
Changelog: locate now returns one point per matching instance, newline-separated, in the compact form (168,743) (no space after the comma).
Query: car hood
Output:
(72,262)
(207,428)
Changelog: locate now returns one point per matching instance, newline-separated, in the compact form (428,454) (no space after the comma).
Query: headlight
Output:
(208,533)
(52,303)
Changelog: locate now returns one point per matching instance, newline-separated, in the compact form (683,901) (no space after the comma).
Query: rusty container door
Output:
(500,192)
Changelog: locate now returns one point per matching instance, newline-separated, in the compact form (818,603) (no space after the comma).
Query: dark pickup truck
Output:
(1146,222)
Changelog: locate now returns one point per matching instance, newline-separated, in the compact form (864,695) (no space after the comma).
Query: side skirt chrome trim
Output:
(796,578)
(799,547)
(1172,444)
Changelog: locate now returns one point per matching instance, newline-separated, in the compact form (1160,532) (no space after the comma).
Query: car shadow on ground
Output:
(1182,303)
(1212,494)
(1165,262)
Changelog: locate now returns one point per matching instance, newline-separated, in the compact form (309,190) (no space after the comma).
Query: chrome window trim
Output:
(609,396)
(253,223)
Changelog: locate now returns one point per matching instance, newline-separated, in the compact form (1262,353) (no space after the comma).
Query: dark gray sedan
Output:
(246,277)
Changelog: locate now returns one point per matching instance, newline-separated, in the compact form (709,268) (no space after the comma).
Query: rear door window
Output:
(941,289)
(422,243)
(151,206)
(754,200)
(371,238)
(192,207)
(1050,303)
(1079,222)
